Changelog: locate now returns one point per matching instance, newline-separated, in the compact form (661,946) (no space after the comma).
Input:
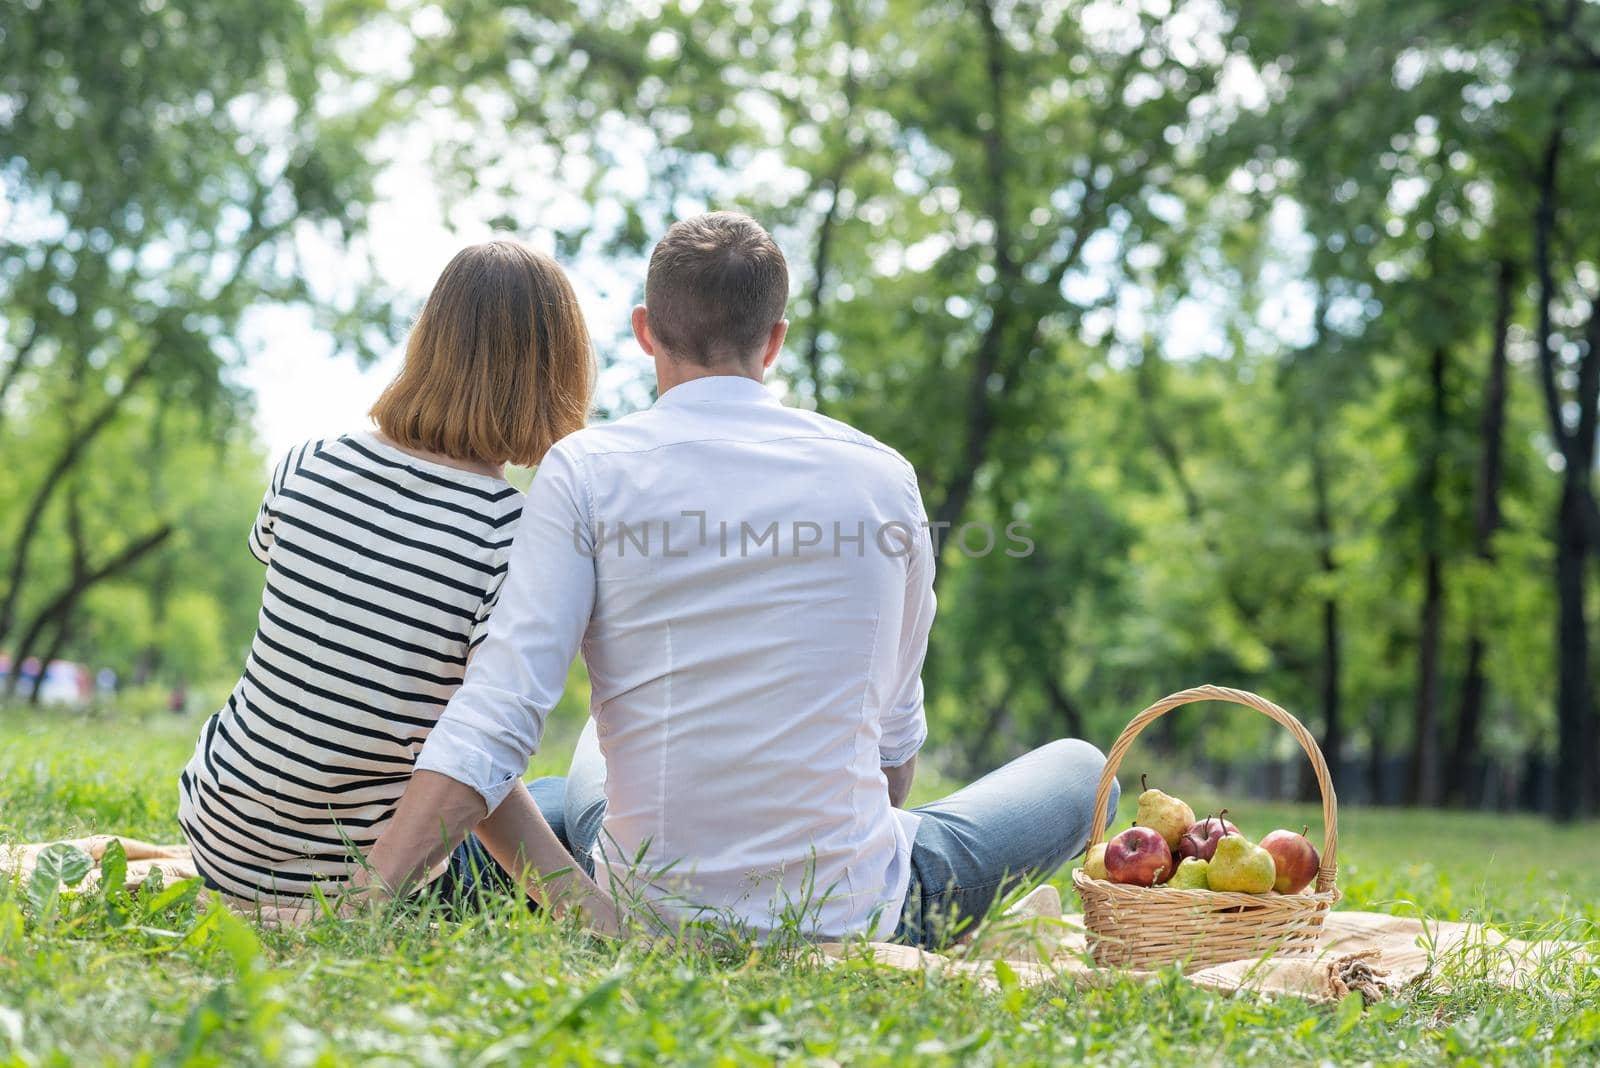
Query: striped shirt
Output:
(382,569)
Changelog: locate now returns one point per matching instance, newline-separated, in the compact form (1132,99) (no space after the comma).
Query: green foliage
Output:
(57,865)
(188,610)
(164,169)
(1166,282)
(1062,255)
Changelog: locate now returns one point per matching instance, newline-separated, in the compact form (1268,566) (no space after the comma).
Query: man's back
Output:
(755,568)
(762,589)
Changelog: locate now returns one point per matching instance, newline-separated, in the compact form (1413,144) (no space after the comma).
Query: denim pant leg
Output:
(550,795)
(585,804)
(1014,825)
(472,874)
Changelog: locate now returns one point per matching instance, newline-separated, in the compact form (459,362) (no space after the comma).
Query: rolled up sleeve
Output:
(905,723)
(495,721)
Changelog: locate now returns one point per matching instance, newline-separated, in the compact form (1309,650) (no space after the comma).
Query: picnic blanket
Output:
(172,861)
(1368,953)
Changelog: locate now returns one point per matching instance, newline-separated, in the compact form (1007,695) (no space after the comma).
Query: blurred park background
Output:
(1276,322)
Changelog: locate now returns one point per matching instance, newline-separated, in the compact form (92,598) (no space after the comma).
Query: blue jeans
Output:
(1017,824)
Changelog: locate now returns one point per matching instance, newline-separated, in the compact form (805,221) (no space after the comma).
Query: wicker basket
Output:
(1149,927)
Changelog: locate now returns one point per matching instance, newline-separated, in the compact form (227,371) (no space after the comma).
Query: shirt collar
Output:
(717,389)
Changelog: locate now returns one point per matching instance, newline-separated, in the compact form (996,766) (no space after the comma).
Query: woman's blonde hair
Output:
(499,365)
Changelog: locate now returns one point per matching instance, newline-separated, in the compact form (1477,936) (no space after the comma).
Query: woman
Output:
(385,553)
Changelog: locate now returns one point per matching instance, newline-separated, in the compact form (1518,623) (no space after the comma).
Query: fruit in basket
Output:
(1191,875)
(1295,858)
(1200,840)
(1241,866)
(1139,856)
(1163,813)
(1094,862)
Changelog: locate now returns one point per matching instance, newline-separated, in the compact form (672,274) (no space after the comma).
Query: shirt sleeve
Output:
(260,540)
(905,723)
(495,721)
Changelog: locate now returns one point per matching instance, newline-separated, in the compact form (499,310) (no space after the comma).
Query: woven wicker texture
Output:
(1145,927)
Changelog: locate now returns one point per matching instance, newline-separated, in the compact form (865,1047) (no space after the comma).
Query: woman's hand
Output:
(366,890)
(599,913)
(522,843)
(286,916)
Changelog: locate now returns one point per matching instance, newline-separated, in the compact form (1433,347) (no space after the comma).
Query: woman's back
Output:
(382,569)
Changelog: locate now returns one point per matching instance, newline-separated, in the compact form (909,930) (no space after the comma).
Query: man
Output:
(752,588)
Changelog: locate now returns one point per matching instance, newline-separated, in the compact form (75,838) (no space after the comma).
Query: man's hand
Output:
(434,815)
(900,782)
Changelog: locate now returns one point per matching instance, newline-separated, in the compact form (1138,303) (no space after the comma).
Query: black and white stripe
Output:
(381,573)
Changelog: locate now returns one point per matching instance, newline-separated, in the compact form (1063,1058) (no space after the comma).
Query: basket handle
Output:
(1330,802)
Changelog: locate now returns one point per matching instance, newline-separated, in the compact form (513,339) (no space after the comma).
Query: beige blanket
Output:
(1369,953)
(173,861)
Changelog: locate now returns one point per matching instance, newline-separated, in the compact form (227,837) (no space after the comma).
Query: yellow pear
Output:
(1191,875)
(1241,866)
(1094,864)
(1162,813)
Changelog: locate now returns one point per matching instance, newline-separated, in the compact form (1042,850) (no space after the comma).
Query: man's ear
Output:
(780,330)
(641,330)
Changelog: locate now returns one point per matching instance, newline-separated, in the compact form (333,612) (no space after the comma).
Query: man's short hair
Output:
(716,287)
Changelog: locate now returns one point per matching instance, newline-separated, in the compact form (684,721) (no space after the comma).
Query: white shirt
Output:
(752,586)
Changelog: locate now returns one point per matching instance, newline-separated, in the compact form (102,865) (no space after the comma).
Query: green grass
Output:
(97,981)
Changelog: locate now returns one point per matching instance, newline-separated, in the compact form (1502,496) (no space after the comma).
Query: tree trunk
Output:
(822,258)
(996,718)
(1333,726)
(1574,780)
(1332,638)
(18,364)
(1425,744)
(1065,708)
(1377,757)
(60,608)
(1576,534)
(1010,337)
(57,643)
(1587,521)
(981,388)
(819,282)
(1467,751)
(1425,779)
(1485,522)
(71,454)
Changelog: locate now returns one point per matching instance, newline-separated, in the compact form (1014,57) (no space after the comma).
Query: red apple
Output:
(1139,856)
(1201,839)
(1295,858)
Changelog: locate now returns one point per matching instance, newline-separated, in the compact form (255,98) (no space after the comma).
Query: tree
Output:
(1572,433)
(1498,94)
(178,604)
(947,166)
(167,168)
(1486,520)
